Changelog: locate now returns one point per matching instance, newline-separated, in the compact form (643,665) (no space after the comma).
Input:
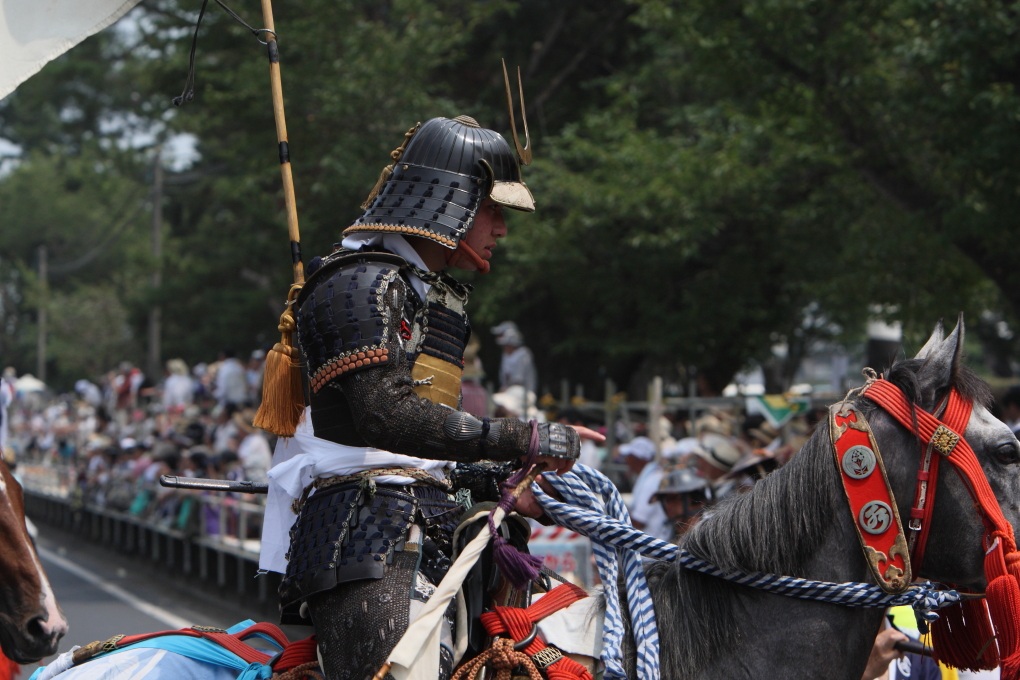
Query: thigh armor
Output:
(352,531)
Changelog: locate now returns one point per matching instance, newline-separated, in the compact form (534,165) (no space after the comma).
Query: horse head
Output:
(795,523)
(31,623)
(955,548)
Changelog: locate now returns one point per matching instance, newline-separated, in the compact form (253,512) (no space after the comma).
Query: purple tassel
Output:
(518,568)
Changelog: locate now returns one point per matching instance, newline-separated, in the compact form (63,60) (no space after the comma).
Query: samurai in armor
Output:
(382,328)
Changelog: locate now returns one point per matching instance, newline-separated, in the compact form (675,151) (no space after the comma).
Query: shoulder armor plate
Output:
(344,321)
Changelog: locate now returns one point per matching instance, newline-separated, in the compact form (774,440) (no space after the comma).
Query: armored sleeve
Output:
(350,329)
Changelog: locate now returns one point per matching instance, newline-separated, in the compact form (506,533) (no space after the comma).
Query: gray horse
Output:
(796,522)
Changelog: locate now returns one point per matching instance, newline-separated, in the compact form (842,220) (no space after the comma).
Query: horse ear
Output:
(942,359)
(934,341)
(958,334)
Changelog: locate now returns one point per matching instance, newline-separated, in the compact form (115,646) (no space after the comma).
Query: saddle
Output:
(499,623)
(245,651)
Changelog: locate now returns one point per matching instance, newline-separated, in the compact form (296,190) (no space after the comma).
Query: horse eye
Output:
(1008,453)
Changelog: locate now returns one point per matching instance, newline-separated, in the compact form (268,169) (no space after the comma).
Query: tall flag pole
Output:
(282,387)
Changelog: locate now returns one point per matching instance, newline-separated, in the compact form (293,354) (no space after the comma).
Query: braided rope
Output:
(610,531)
(306,671)
(368,477)
(502,658)
(593,504)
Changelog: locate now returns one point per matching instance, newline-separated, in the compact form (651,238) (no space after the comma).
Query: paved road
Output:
(102,596)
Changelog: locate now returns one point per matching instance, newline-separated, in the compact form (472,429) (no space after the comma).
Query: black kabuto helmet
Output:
(438,180)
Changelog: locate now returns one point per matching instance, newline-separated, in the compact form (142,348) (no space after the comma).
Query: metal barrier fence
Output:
(223,563)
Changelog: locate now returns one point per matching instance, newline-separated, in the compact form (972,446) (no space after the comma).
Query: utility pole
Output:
(155,361)
(44,300)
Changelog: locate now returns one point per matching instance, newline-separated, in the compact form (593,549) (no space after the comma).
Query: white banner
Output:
(34,32)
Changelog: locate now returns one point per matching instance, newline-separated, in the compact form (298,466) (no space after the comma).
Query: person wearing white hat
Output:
(517,364)
(645,512)
(517,402)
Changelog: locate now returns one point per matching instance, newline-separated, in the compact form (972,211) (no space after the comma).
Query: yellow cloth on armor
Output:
(437,380)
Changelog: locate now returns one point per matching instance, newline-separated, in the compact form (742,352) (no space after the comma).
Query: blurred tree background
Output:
(714,178)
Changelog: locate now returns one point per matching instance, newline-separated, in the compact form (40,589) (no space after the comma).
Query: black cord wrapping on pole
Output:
(189,85)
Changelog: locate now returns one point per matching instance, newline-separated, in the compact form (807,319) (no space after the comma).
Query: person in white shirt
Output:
(178,387)
(231,385)
(517,364)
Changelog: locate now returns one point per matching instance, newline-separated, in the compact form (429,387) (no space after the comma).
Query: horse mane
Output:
(762,531)
(743,532)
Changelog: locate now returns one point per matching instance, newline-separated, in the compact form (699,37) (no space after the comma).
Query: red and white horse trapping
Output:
(976,634)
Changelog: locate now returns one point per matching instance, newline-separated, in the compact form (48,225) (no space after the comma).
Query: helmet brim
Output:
(515,195)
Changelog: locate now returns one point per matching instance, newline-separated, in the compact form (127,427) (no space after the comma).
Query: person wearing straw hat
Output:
(382,329)
(683,494)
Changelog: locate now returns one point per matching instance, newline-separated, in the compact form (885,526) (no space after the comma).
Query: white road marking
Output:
(171,620)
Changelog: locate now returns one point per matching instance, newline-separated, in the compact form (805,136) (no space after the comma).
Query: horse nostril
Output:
(38,630)
(36,627)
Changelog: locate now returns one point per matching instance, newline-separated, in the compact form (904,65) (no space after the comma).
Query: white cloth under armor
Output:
(300,459)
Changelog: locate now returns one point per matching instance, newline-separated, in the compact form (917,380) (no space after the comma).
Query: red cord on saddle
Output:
(295,654)
(519,623)
(1002,561)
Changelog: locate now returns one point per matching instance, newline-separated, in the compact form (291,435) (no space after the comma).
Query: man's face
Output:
(684,510)
(489,226)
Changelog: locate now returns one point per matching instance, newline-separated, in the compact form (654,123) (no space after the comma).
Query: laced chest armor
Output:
(439,333)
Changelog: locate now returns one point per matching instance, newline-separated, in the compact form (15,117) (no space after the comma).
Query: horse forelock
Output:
(776,527)
(905,374)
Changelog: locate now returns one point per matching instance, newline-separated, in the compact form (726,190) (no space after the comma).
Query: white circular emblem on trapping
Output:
(875,517)
(859,461)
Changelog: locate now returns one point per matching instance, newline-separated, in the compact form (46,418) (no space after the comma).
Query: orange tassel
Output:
(283,392)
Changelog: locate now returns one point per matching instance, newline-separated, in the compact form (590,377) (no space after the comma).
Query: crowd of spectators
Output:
(108,442)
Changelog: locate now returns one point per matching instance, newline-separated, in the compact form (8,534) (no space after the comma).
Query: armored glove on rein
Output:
(554,439)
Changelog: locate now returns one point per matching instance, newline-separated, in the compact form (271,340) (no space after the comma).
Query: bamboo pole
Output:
(283,396)
(276,84)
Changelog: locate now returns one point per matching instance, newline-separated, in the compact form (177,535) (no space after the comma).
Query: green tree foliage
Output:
(713,177)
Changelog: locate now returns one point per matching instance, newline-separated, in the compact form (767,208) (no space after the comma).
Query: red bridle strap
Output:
(870,497)
(1002,561)
(946,438)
